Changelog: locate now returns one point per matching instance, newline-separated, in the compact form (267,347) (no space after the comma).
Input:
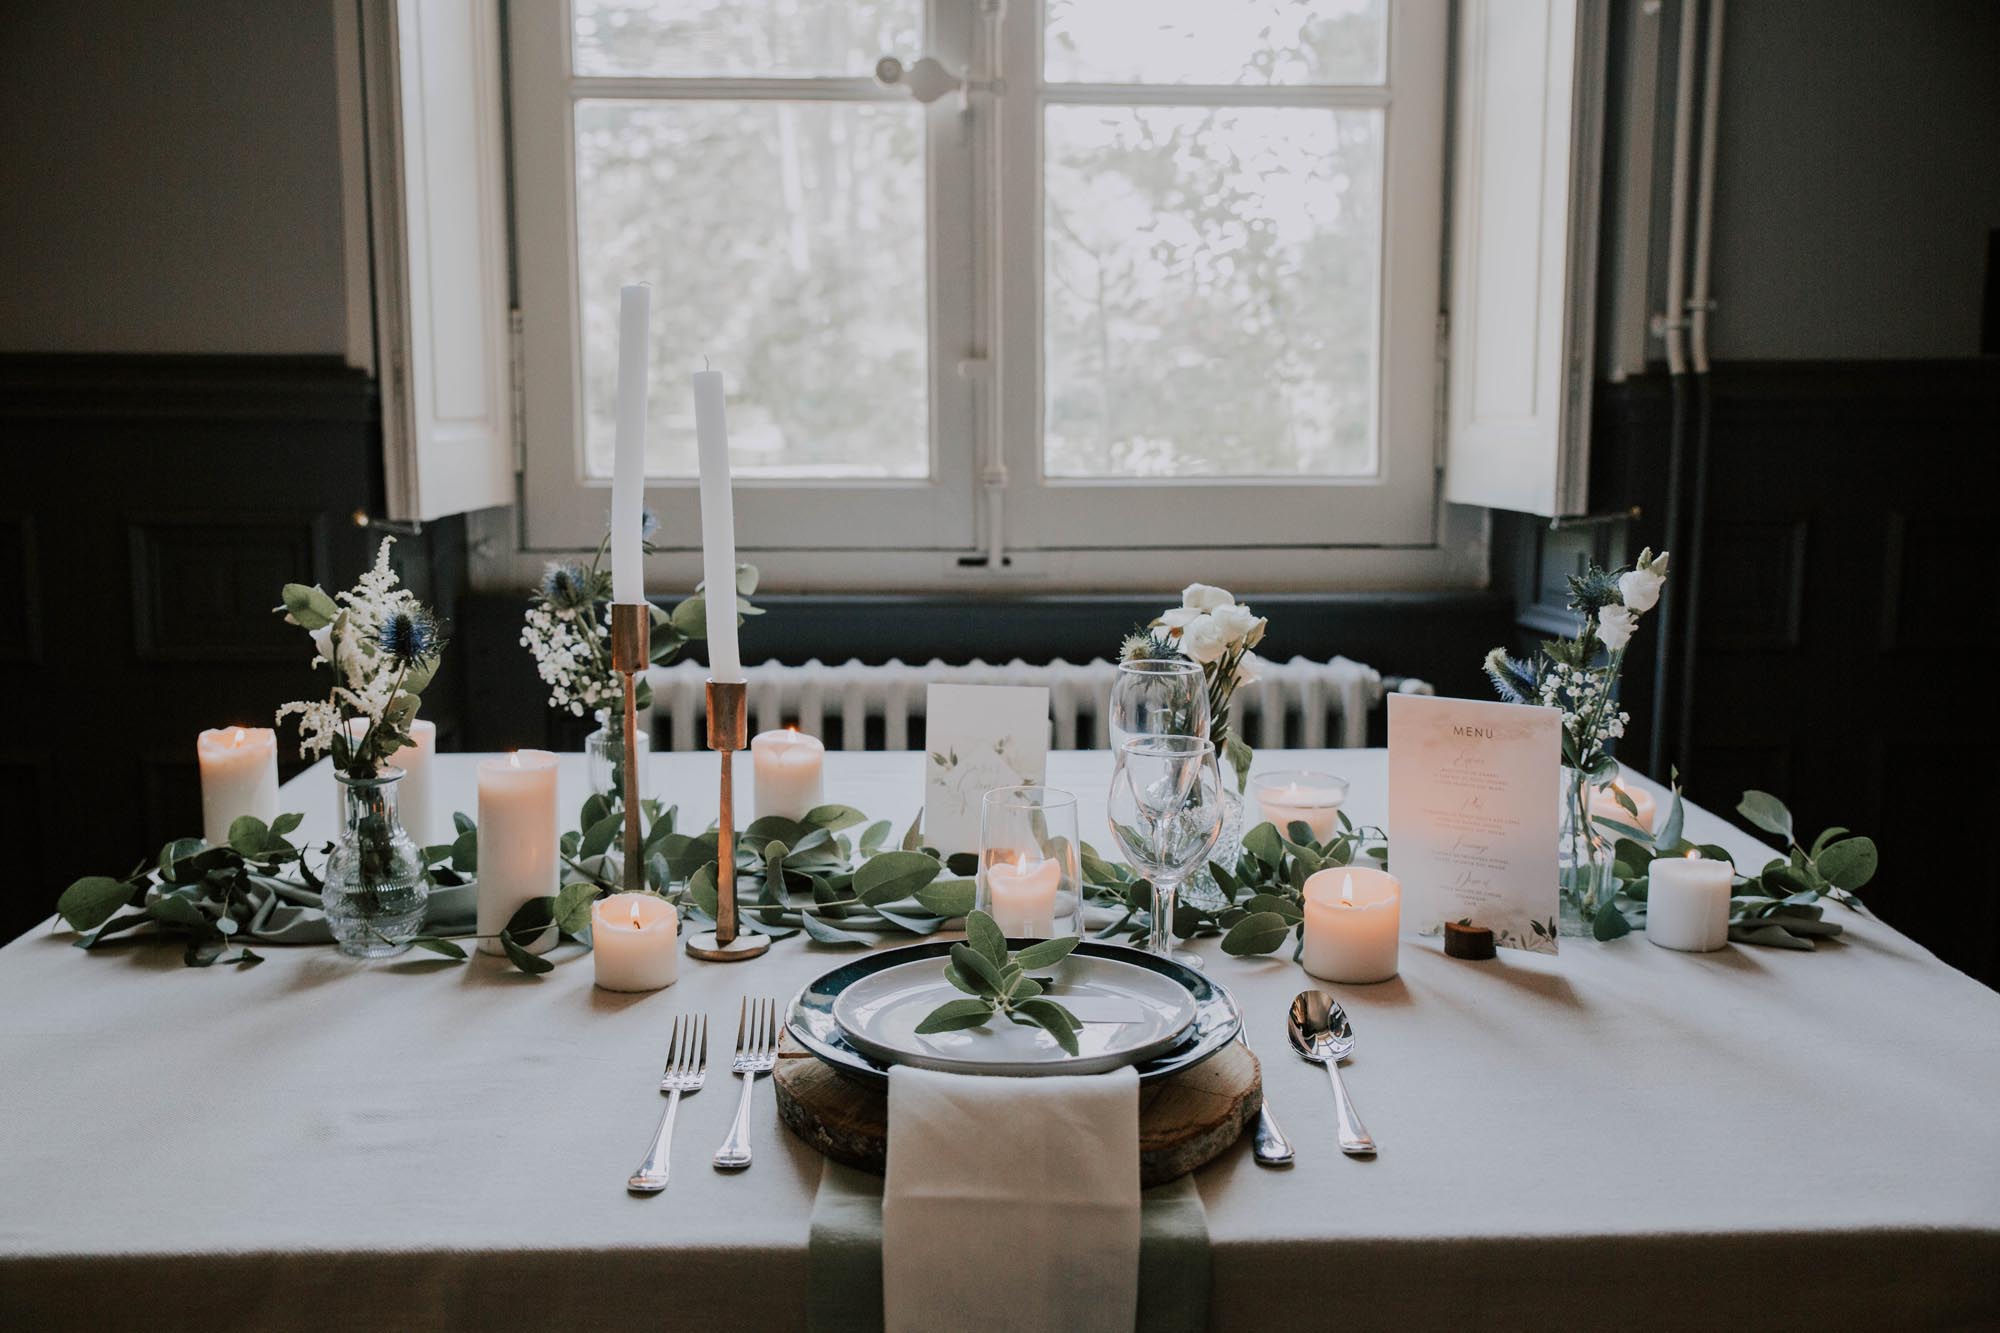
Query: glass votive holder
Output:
(1030,875)
(1297,795)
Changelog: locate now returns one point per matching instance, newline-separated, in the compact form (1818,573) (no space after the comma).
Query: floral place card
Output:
(976,738)
(1474,794)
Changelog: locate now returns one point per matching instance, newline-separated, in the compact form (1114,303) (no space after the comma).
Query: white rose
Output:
(1640,588)
(323,641)
(1176,618)
(1236,621)
(1204,597)
(1249,669)
(1204,640)
(1615,625)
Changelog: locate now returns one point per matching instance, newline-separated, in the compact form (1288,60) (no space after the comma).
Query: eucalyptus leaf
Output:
(704,891)
(92,901)
(1057,1021)
(310,608)
(440,946)
(822,933)
(947,897)
(1259,932)
(1264,843)
(533,964)
(1609,923)
(572,907)
(894,875)
(977,969)
(1849,863)
(1767,812)
(834,817)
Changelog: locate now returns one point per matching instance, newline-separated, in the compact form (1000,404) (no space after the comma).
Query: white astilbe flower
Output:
(366,681)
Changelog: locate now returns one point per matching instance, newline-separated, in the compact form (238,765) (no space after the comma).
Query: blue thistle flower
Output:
(566,586)
(410,637)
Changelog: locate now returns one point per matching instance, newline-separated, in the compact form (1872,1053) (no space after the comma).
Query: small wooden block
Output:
(1184,1122)
(1467,941)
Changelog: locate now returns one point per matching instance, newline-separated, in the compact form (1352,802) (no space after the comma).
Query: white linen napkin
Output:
(1017,1198)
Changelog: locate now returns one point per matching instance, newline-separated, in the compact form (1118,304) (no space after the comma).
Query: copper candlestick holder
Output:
(728,732)
(631,645)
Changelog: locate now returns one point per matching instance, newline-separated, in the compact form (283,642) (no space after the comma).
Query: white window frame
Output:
(984,182)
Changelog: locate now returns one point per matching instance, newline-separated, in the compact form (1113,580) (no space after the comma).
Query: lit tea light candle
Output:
(1312,799)
(634,941)
(517,841)
(1352,916)
(413,793)
(790,772)
(1021,895)
(1604,804)
(239,776)
(1687,903)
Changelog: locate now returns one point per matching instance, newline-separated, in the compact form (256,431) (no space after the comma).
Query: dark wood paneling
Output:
(202,589)
(1848,585)
(155,507)
(20,591)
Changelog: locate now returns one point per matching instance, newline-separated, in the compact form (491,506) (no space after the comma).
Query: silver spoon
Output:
(1321,1033)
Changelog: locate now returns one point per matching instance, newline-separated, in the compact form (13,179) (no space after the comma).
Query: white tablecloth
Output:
(1618,1134)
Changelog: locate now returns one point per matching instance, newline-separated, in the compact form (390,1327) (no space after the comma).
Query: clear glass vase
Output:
(1584,857)
(375,889)
(604,755)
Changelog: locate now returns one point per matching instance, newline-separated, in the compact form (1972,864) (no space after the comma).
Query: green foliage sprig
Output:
(1265,890)
(997,983)
(1780,906)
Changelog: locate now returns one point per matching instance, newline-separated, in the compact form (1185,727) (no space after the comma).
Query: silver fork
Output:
(686,1067)
(756,1053)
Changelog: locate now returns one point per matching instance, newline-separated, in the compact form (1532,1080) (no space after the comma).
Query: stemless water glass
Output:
(1158,696)
(1166,812)
(1030,879)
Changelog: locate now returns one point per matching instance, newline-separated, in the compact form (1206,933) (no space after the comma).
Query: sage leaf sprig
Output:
(997,983)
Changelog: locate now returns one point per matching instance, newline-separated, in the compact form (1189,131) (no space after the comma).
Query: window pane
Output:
(785,242)
(1210,291)
(1215,41)
(758,38)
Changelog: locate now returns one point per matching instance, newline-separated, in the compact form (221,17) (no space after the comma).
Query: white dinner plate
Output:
(1129,1014)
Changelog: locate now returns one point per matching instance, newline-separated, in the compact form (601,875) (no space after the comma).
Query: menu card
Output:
(1474,792)
(976,738)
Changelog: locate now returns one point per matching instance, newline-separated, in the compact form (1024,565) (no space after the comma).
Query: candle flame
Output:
(1347,889)
(236,737)
(636,923)
(1693,854)
(513,758)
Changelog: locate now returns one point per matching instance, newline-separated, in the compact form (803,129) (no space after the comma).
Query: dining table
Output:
(1614,1134)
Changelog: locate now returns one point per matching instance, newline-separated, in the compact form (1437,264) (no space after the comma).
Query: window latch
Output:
(929,79)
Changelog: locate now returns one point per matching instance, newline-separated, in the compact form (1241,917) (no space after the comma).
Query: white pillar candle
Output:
(1312,799)
(718,527)
(790,772)
(239,776)
(628,459)
(413,793)
(635,942)
(1352,916)
(1687,903)
(1604,805)
(517,840)
(1021,895)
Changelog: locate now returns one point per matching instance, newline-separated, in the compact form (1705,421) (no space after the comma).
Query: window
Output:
(1170,283)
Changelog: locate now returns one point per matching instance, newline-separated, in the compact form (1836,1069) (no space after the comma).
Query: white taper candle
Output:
(628,464)
(718,527)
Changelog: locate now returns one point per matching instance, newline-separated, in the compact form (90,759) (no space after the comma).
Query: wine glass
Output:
(1158,696)
(1166,813)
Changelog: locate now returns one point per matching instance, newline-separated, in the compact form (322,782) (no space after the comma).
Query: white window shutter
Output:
(1524,254)
(436,160)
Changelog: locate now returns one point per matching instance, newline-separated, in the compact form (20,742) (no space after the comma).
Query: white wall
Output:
(170,177)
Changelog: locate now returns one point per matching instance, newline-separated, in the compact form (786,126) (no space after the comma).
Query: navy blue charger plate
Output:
(810,1021)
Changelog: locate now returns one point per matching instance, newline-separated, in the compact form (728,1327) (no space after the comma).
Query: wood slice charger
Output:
(1184,1122)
